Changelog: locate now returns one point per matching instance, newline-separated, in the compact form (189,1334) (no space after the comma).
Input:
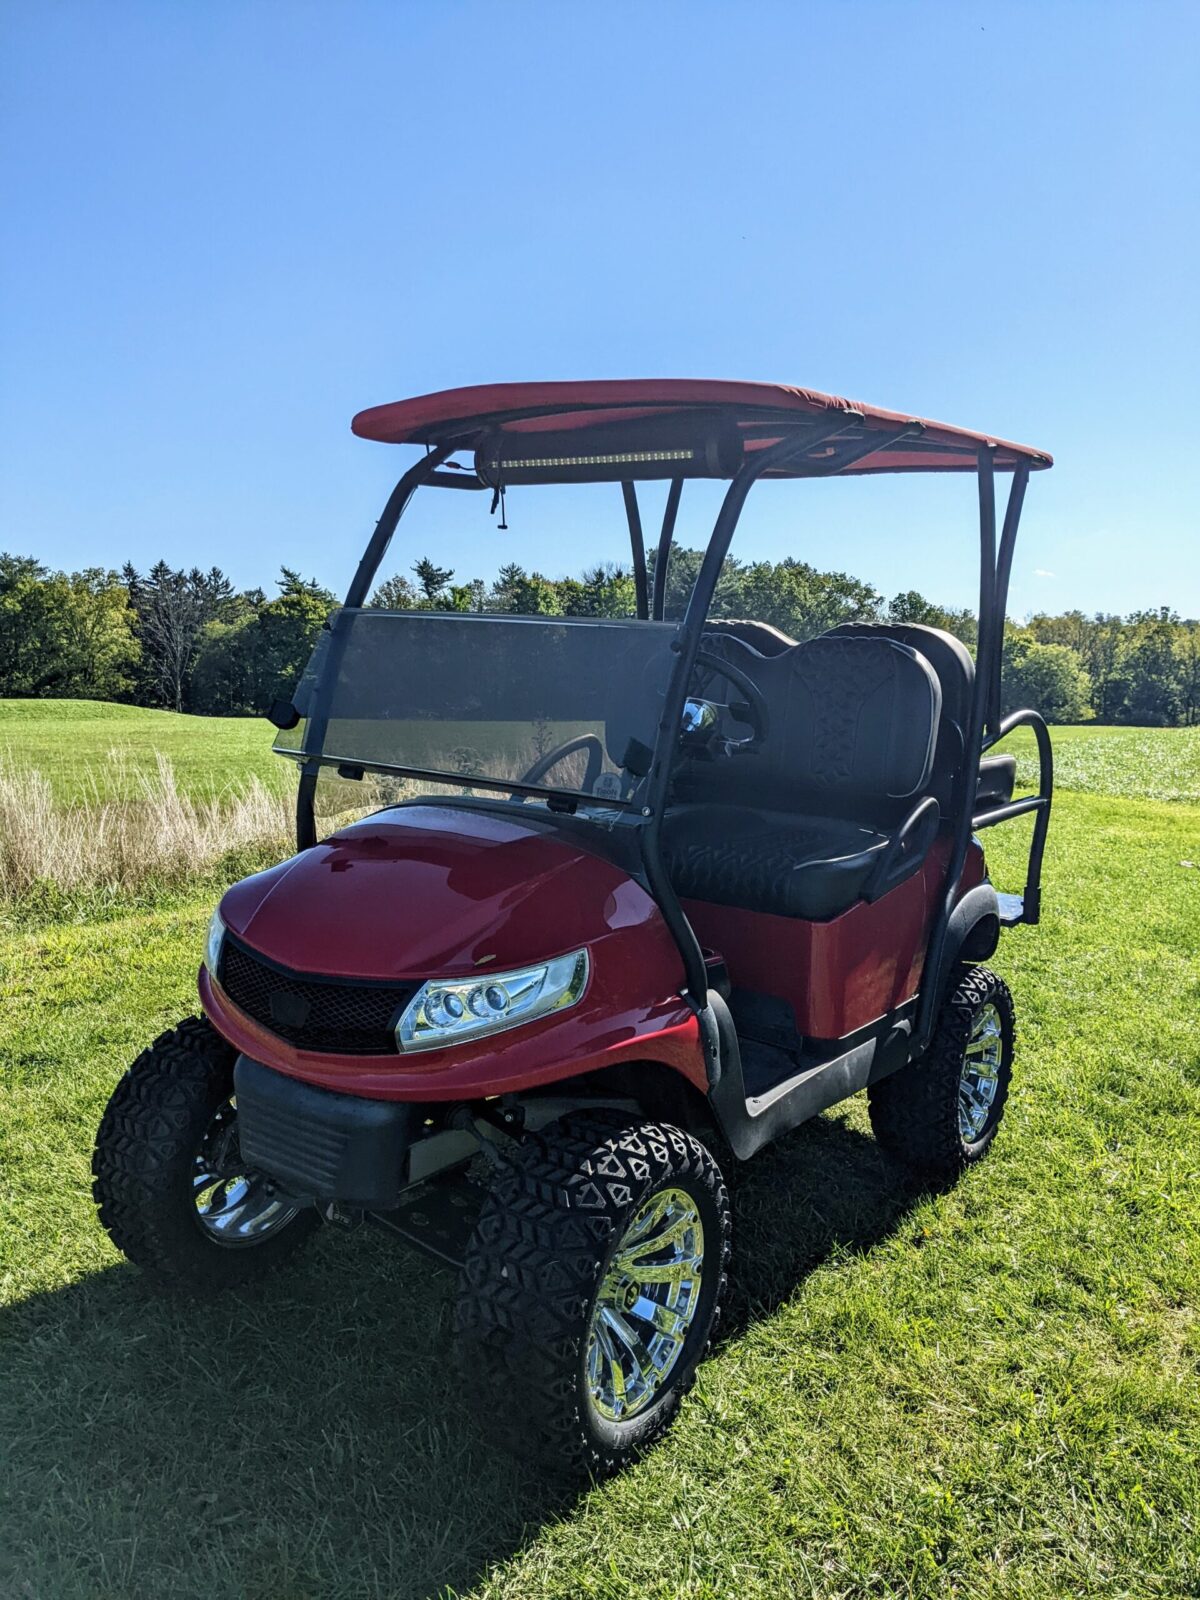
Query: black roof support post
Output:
(986,662)
(986,476)
(662,558)
(997,726)
(637,545)
(1008,540)
(397,503)
(318,721)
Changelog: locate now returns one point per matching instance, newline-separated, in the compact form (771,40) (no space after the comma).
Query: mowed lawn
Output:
(95,750)
(989,1392)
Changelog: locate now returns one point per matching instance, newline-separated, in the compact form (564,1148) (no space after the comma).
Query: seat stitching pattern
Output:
(761,869)
(726,647)
(838,697)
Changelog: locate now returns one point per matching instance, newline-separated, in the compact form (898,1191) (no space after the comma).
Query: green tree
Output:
(468,596)
(185,638)
(287,628)
(796,597)
(98,644)
(27,654)
(683,568)
(395,594)
(537,597)
(225,676)
(912,607)
(1044,677)
(432,579)
(607,590)
(64,634)
(507,590)
(258,657)
(1187,651)
(1096,641)
(1149,664)
(172,609)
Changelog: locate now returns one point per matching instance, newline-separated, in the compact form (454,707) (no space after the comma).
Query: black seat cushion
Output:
(794,866)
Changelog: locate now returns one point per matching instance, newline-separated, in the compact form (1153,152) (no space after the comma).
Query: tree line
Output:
(189,641)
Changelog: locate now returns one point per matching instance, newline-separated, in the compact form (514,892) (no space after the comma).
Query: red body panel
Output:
(436,891)
(439,891)
(840,975)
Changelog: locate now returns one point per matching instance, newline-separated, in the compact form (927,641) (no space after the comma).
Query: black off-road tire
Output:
(915,1111)
(554,1217)
(142,1165)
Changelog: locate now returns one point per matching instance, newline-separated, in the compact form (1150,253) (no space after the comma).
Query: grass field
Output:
(1135,763)
(70,742)
(992,1392)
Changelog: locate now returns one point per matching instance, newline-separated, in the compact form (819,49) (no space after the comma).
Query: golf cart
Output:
(646,894)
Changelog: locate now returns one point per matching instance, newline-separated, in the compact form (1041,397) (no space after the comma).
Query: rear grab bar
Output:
(1039,803)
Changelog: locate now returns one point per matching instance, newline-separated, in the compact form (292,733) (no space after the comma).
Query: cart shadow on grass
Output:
(309,1439)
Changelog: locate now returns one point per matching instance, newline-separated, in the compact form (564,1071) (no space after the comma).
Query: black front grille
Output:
(338,1015)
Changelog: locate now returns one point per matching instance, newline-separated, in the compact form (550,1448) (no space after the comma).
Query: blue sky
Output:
(225,227)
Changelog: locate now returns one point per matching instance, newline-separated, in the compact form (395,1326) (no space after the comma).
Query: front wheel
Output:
(168,1177)
(591,1288)
(939,1114)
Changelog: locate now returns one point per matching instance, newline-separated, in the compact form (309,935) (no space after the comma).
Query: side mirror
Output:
(699,722)
(283,714)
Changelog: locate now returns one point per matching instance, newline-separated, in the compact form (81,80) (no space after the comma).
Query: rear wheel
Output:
(940,1113)
(591,1288)
(169,1180)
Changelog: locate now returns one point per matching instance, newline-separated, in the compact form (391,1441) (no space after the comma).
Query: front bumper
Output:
(614,1023)
(319,1145)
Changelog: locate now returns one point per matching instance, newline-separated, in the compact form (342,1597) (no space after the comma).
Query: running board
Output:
(1018,908)
(1012,909)
(748,1123)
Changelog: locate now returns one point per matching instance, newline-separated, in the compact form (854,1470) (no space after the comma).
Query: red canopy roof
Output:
(464,416)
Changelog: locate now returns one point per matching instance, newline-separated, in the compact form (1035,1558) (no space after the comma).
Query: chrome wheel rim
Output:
(233,1208)
(979,1080)
(646,1306)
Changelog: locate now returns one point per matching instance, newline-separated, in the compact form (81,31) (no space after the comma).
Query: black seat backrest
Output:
(766,639)
(955,669)
(852,728)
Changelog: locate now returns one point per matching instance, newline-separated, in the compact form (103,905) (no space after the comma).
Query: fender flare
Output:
(972,933)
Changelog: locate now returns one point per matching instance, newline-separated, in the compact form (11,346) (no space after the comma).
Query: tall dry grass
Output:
(156,835)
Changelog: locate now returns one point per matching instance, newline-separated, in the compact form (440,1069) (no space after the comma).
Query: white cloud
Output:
(1040,572)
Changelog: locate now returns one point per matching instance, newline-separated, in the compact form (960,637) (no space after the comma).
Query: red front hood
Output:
(435,890)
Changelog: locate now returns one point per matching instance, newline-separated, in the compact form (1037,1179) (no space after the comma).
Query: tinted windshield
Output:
(563,704)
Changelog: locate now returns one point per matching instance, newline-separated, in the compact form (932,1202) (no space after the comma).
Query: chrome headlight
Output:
(213,943)
(449,1011)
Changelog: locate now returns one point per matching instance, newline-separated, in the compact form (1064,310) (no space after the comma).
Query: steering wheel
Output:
(752,709)
(583,741)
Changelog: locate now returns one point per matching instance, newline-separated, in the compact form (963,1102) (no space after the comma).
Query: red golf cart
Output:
(651,893)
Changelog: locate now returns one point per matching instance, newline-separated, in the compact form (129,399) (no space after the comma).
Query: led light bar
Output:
(694,445)
(618,459)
